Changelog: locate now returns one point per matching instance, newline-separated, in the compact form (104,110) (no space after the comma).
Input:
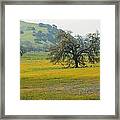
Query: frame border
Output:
(2,60)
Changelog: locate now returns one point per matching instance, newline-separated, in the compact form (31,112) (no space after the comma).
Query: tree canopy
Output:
(74,51)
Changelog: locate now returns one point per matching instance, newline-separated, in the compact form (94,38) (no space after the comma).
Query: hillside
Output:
(37,37)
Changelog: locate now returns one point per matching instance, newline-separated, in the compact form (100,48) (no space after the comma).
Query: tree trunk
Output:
(76,63)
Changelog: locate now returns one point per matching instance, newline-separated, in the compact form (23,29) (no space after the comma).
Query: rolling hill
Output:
(37,37)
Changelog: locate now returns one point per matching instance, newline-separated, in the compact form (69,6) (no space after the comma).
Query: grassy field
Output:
(41,80)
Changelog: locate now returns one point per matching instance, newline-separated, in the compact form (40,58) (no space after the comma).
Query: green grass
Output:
(26,27)
(41,80)
(27,36)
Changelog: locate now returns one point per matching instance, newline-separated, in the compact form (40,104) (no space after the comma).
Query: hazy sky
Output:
(81,27)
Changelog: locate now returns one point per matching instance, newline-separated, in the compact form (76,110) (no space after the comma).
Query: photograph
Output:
(60,59)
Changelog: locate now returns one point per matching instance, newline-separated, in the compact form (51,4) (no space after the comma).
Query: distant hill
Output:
(37,37)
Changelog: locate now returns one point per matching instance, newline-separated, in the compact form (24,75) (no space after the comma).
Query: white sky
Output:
(81,27)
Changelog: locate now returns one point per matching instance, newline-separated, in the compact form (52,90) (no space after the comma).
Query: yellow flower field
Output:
(41,80)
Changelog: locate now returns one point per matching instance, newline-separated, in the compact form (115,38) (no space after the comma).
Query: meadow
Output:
(41,80)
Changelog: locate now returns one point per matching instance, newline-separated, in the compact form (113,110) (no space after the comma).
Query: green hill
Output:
(37,37)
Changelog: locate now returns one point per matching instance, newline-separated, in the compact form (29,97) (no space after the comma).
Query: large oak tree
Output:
(73,51)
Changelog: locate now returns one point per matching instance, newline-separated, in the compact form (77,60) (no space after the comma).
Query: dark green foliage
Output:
(73,51)
(21,32)
(22,50)
(50,36)
(27,46)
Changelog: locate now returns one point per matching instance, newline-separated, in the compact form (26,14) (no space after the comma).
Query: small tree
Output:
(71,51)
(22,50)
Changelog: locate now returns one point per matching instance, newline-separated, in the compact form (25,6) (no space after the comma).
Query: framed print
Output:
(60,60)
